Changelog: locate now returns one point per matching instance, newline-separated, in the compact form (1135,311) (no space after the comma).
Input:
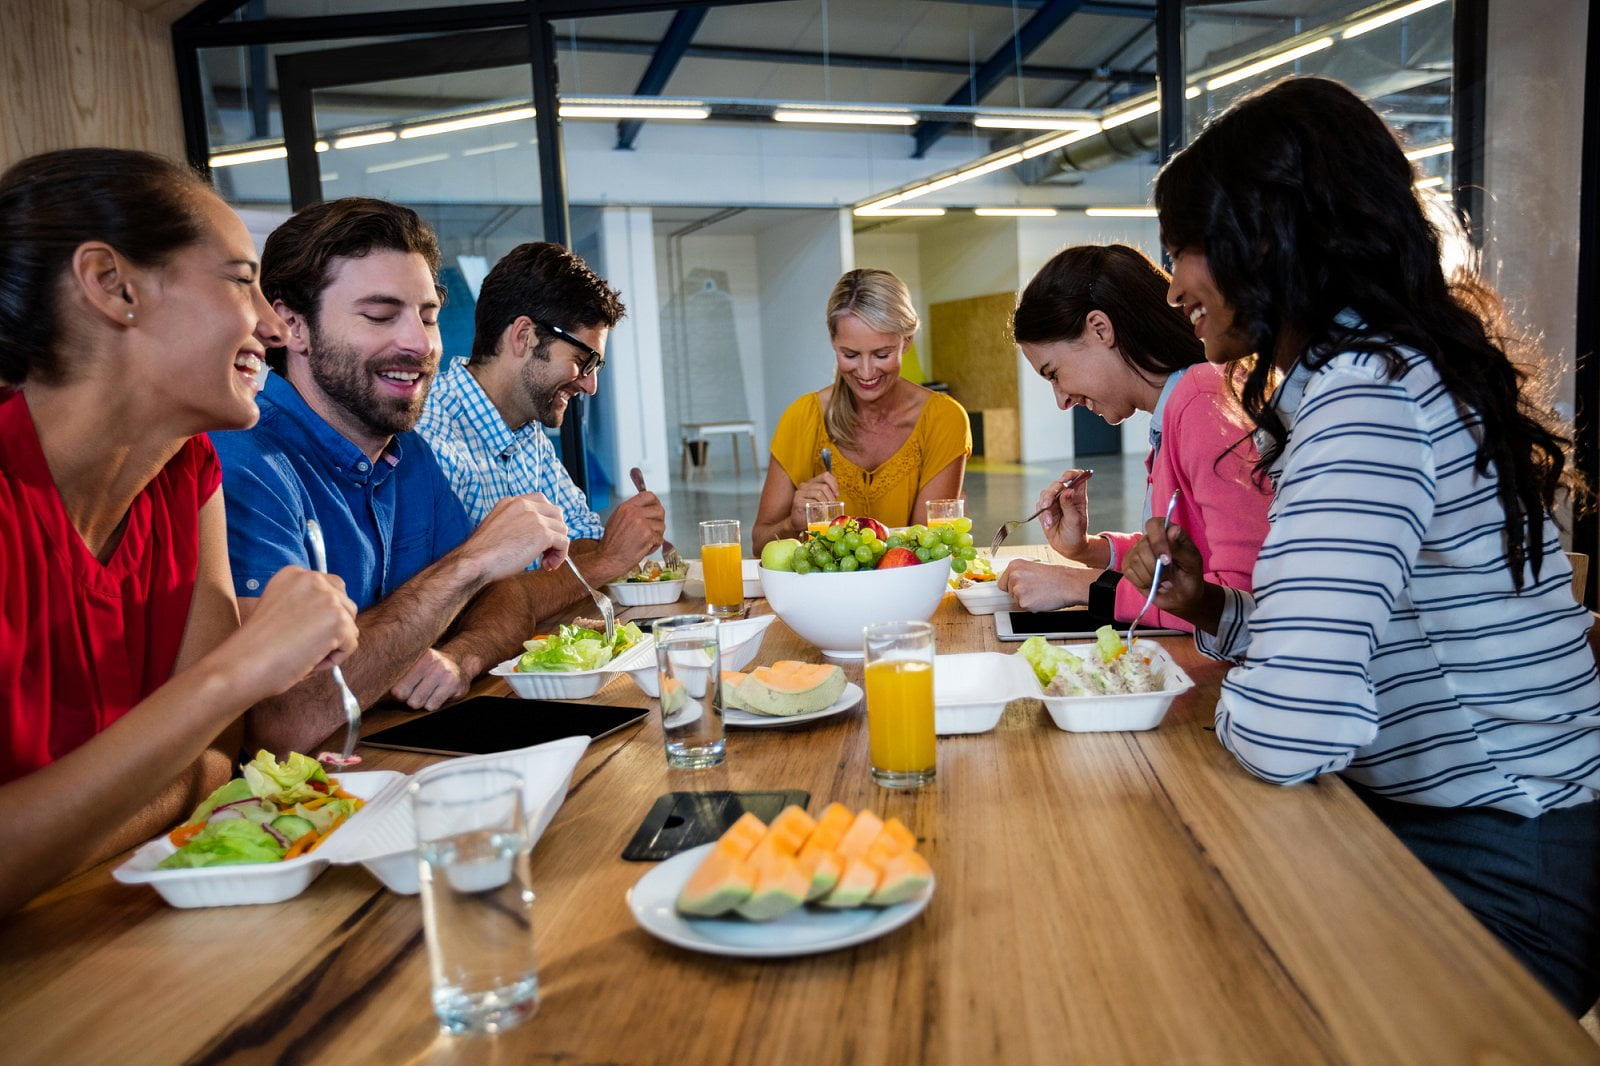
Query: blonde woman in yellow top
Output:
(895,445)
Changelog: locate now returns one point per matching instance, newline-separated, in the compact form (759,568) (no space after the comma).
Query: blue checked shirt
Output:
(486,460)
(1385,639)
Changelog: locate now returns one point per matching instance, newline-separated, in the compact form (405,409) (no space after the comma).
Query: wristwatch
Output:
(1103,595)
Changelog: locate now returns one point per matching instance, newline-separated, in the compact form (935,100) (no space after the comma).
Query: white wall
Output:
(798,263)
(632,383)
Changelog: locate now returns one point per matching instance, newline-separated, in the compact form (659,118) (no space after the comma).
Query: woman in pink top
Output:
(1095,323)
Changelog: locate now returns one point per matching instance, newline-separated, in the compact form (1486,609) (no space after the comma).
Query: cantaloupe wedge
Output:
(824,868)
(743,836)
(859,837)
(790,687)
(894,839)
(784,836)
(731,680)
(904,876)
(857,883)
(719,884)
(831,826)
(781,886)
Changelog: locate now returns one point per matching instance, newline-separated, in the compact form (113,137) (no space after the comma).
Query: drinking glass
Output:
(722,563)
(477,902)
(899,669)
(943,512)
(820,516)
(690,664)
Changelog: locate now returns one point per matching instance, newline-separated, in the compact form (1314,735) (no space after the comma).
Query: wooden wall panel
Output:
(85,72)
(973,354)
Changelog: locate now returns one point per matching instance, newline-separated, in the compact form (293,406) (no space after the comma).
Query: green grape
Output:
(852,540)
(959,565)
(848,563)
(833,532)
(927,538)
(802,565)
(947,535)
(963,540)
(939,551)
(830,567)
(963,524)
(922,554)
(878,548)
(841,549)
(895,541)
(864,554)
(868,535)
(966,553)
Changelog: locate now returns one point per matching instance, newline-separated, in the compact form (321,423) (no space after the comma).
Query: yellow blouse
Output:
(890,492)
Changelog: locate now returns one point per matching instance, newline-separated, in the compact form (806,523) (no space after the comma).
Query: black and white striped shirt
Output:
(1385,638)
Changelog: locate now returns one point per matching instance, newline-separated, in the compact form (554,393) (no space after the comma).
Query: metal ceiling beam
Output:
(1006,58)
(1136,11)
(662,63)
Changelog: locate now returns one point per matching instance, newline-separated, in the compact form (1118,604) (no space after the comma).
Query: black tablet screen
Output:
(485,724)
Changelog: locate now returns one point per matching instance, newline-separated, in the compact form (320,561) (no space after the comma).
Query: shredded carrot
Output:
(301,846)
(324,836)
(184,833)
(320,801)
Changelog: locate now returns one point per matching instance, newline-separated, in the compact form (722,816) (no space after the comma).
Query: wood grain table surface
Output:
(1101,898)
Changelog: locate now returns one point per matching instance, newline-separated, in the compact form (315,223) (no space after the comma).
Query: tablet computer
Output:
(483,725)
(1074,623)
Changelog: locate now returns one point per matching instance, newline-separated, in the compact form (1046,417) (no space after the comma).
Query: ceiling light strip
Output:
(1393,15)
(1261,66)
(1120,212)
(845,118)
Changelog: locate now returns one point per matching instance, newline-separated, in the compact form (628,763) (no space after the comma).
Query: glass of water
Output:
(477,903)
(688,658)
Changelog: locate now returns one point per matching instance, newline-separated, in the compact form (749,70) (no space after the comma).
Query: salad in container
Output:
(574,662)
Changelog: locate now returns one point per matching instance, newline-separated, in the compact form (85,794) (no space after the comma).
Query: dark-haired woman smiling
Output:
(1412,625)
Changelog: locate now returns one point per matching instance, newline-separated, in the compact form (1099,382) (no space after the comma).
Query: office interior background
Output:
(722,163)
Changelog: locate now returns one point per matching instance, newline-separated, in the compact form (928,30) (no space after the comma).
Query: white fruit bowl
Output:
(831,610)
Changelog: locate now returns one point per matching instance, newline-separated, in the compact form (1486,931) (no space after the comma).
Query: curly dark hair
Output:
(547,283)
(1120,281)
(1301,198)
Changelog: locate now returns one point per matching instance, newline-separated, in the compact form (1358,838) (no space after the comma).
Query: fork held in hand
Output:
(1155,575)
(603,602)
(1007,528)
(352,706)
(669,554)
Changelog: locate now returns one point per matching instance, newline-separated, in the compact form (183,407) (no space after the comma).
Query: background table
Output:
(1102,898)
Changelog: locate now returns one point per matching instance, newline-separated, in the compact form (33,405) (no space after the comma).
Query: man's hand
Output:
(519,530)
(633,531)
(1046,586)
(433,680)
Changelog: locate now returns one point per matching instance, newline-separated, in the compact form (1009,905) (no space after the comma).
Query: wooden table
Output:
(1102,898)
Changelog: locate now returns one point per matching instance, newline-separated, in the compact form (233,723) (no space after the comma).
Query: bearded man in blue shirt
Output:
(357,282)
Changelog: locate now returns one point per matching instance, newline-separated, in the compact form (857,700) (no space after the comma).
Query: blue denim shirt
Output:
(384,522)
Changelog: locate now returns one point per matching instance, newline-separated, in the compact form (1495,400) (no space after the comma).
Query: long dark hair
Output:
(1302,200)
(1120,281)
(142,205)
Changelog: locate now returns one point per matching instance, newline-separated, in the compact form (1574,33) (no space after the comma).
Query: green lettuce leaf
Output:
(325,816)
(231,792)
(284,783)
(1044,657)
(576,648)
(232,842)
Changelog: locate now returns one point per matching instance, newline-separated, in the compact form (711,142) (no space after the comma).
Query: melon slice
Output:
(785,835)
(859,837)
(831,826)
(904,877)
(857,882)
(894,839)
(824,868)
(731,680)
(742,836)
(720,883)
(781,886)
(790,687)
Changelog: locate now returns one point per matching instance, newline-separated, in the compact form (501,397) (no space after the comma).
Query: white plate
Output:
(847,700)
(804,931)
(985,597)
(740,639)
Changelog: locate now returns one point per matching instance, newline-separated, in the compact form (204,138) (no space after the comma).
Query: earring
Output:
(130,316)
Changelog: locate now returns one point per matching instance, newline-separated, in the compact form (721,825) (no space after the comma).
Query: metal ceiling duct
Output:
(1131,140)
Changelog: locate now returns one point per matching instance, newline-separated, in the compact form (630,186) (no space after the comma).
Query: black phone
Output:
(483,725)
(679,821)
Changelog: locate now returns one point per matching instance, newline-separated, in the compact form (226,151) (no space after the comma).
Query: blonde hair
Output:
(883,303)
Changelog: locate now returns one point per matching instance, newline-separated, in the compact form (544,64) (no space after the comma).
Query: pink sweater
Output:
(1221,509)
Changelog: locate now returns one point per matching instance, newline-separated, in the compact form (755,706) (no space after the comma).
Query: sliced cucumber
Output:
(292,826)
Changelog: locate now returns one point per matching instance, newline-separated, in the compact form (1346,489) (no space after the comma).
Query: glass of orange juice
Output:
(820,516)
(944,512)
(722,560)
(899,669)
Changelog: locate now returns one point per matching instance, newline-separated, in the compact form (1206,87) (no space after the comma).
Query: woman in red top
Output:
(130,324)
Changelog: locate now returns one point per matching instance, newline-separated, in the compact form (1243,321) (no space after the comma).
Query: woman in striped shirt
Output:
(1412,626)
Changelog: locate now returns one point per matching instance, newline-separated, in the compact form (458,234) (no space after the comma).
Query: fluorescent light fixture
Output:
(486,149)
(901,212)
(1120,212)
(322,146)
(1191,92)
(401,164)
(333,176)
(1392,15)
(1122,118)
(431,129)
(987,168)
(645,111)
(257,155)
(1260,66)
(1033,122)
(1429,183)
(1059,142)
(1429,151)
(1014,212)
(361,140)
(845,118)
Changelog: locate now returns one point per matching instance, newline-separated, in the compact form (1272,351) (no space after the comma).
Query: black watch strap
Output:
(1103,594)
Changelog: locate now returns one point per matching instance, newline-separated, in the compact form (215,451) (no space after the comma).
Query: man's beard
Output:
(346,378)
(543,397)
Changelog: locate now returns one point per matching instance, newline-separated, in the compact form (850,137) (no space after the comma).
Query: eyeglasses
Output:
(592,363)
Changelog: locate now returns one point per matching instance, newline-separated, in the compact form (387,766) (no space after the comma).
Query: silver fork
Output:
(603,602)
(1007,528)
(352,706)
(1155,575)
(669,555)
